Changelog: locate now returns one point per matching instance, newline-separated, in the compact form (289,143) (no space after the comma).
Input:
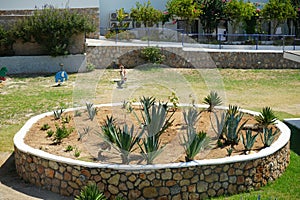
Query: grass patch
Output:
(23,97)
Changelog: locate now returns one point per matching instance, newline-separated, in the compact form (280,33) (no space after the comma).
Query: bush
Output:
(153,55)
(90,192)
(52,28)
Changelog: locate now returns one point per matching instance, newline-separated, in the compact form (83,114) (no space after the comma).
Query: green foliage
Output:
(77,113)
(212,100)
(238,11)
(249,140)
(194,143)
(233,126)
(146,14)
(278,11)
(69,148)
(66,119)
(108,129)
(77,152)
(50,133)
(6,37)
(220,126)
(90,67)
(173,98)
(186,9)
(155,122)
(153,55)
(229,151)
(125,141)
(266,117)
(267,136)
(90,192)
(53,28)
(58,113)
(213,11)
(45,127)
(92,111)
(61,133)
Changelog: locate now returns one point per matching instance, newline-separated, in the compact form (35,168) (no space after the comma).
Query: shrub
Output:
(153,55)
(69,148)
(45,127)
(6,38)
(212,100)
(90,192)
(266,117)
(61,133)
(77,152)
(50,133)
(52,28)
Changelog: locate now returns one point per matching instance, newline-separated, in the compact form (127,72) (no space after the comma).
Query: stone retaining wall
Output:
(129,56)
(170,183)
(191,180)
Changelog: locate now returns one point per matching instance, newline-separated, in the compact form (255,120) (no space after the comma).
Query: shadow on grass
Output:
(295,138)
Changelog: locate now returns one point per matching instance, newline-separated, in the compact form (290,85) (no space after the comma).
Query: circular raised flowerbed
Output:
(177,180)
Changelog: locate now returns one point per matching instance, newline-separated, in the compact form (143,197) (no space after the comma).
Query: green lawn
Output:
(23,97)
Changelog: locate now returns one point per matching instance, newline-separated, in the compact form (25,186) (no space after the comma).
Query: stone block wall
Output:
(195,182)
(129,56)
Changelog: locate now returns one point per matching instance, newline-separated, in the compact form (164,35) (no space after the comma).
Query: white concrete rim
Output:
(277,145)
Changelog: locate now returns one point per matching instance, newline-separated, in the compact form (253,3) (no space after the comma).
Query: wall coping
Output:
(20,145)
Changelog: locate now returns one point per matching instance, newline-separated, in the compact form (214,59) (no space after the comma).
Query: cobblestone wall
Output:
(102,56)
(171,183)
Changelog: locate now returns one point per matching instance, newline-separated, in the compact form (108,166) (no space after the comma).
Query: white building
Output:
(108,8)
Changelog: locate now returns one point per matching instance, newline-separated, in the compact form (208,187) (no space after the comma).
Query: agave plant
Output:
(90,192)
(233,128)
(266,117)
(249,140)
(58,113)
(92,111)
(212,100)
(220,125)
(191,117)
(267,136)
(194,142)
(125,141)
(155,122)
(108,128)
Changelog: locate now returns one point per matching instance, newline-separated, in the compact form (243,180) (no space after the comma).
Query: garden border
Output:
(195,179)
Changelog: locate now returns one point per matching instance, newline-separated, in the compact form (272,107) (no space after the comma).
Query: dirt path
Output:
(13,188)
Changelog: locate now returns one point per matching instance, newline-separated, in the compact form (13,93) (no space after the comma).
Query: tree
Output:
(212,14)
(278,11)
(146,14)
(185,9)
(237,11)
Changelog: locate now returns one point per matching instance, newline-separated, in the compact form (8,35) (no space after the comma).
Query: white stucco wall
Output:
(109,6)
(31,4)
